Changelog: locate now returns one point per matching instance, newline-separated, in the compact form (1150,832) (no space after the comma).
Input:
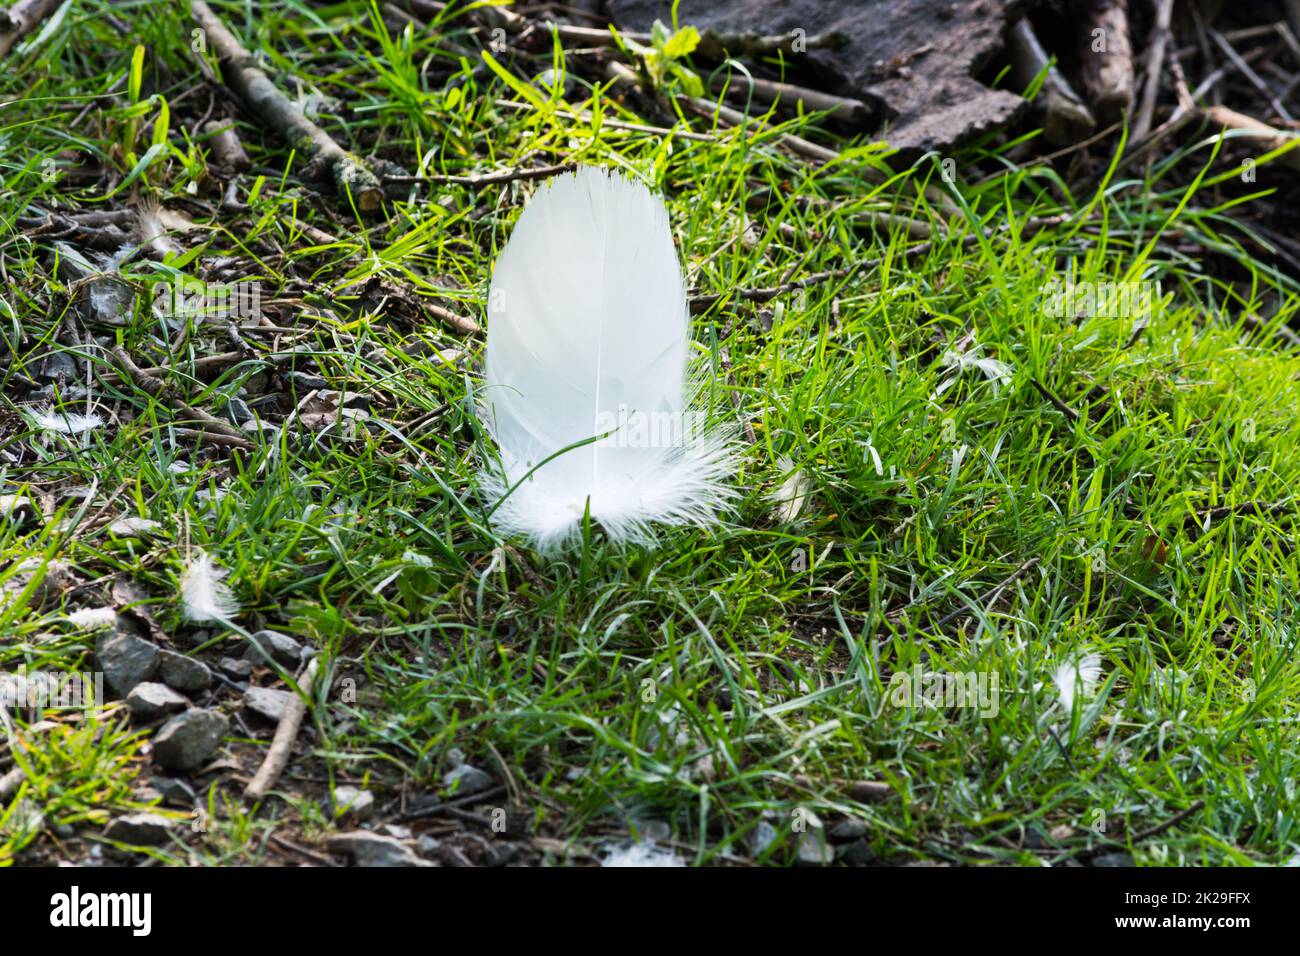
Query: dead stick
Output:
(286,733)
(861,791)
(1065,118)
(712,45)
(20,19)
(1245,70)
(351,177)
(159,389)
(488,179)
(1173,821)
(991,594)
(1060,406)
(1106,56)
(1273,138)
(843,108)
(1155,63)
(796,144)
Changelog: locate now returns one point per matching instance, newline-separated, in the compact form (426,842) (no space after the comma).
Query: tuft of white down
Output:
(588,341)
(205,596)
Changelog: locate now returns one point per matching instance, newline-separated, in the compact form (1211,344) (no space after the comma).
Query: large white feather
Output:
(588,338)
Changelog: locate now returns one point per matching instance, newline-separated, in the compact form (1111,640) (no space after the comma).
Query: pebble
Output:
(354,802)
(266,702)
(848,829)
(466,779)
(176,793)
(813,850)
(857,853)
(148,701)
(139,829)
(126,660)
(188,739)
(761,839)
(239,670)
(282,648)
(372,849)
(184,673)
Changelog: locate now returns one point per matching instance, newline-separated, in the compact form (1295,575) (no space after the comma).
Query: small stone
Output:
(813,850)
(353,801)
(19,511)
(175,793)
(1113,859)
(282,648)
(183,673)
(266,702)
(429,846)
(500,854)
(848,830)
(133,526)
(239,670)
(148,700)
(372,849)
(421,803)
(139,829)
(238,410)
(1035,839)
(125,660)
(762,838)
(190,738)
(306,382)
(466,779)
(258,426)
(857,853)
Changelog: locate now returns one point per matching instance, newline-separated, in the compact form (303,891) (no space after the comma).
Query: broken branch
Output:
(1065,118)
(350,175)
(286,732)
(20,19)
(159,389)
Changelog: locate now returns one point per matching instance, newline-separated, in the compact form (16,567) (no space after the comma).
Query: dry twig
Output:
(20,19)
(277,757)
(350,175)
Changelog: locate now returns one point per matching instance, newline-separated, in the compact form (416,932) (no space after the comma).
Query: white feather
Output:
(152,230)
(789,499)
(1084,675)
(644,854)
(204,594)
(93,618)
(68,423)
(588,338)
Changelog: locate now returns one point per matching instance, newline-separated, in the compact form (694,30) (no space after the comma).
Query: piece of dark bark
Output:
(913,64)
(1105,56)
(241,74)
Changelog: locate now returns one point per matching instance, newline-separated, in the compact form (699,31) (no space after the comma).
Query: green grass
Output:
(735,674)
